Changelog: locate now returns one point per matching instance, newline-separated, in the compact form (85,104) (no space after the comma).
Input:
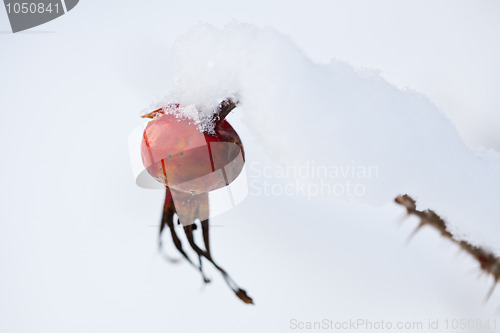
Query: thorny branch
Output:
(488,262)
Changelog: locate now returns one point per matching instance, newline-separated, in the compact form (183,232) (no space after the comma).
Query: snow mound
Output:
(334,114)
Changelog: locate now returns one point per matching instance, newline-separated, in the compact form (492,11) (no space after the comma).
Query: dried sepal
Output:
(169,211)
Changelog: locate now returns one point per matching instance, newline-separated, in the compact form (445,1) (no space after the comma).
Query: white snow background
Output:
(334,115)
(78,238)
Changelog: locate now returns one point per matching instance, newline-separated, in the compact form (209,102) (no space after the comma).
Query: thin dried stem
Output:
(223,110)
